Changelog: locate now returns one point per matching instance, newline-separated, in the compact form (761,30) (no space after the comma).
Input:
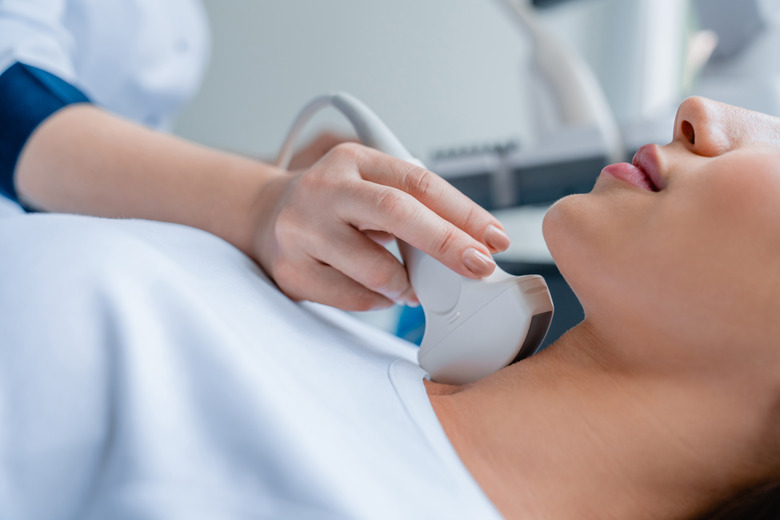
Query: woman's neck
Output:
(562,435)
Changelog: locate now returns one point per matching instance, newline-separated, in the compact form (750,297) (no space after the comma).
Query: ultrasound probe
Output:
(472,327)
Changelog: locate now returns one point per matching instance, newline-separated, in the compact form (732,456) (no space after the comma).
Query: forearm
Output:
(84,160)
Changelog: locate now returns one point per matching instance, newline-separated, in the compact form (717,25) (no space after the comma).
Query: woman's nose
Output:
(704,127)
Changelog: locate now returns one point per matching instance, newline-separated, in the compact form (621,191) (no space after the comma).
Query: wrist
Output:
(260,236)
(243,210)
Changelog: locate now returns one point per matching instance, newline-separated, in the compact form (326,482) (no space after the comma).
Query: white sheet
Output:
(150,371)
(8,208)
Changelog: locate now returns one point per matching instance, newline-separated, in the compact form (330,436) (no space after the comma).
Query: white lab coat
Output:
(140,59)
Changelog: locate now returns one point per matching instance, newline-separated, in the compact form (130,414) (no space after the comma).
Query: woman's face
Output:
(683,246)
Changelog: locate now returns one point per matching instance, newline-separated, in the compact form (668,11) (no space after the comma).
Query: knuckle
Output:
(348,150)
(419,182)
(446,242)
(390,201)
(471,217)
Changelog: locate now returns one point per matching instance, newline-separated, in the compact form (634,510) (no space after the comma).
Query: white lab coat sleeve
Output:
(139,59)
(33,32)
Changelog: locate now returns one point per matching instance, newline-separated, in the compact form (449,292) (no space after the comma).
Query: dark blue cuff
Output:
(28,95)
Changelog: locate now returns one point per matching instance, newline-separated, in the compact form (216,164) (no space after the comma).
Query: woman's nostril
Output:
(687,131)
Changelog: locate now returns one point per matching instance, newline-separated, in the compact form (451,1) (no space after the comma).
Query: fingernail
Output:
(478,262)
(405,297)
(383,304)
(408,298)
(496,238)
(411,301)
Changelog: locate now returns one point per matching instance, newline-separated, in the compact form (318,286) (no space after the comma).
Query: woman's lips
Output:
(644,172)
(630,174)
(647,159)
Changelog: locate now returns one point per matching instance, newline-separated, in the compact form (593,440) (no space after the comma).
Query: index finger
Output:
(435,193)
(376,207)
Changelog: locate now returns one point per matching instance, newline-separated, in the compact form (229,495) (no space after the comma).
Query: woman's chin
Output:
(572,235)
(561,221)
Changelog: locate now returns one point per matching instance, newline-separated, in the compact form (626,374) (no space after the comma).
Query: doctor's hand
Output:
(318,232)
